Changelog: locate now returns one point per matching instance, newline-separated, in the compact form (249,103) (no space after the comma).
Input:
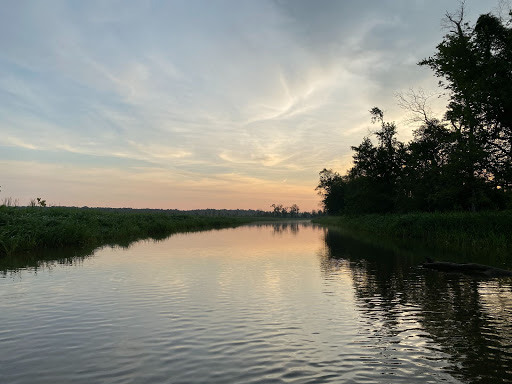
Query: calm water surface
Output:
(276,303)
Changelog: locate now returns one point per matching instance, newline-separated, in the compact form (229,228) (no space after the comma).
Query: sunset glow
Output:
(201,104)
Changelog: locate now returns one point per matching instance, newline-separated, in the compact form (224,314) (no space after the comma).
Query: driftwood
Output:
(467,268)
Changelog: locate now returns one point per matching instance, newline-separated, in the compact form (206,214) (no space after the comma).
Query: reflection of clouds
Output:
(434,316)
(272,288)
(495,302)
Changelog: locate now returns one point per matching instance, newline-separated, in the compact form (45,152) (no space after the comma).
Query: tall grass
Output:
(481,230)
(32,228)
(10,202)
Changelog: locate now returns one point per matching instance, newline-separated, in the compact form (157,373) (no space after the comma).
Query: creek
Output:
(283,302)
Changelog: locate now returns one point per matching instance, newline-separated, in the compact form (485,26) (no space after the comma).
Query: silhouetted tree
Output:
(278,208)
(476,65)
(294,210)
(332,189)
(461,162)
(373,179)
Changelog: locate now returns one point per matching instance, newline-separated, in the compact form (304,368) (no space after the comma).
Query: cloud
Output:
(266,90)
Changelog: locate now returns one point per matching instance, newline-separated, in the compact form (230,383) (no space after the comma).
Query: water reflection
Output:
(281,228)
(466,320)
(47,259)
(252,304)
(43,260)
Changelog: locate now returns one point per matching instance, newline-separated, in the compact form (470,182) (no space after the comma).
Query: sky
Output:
(202,104)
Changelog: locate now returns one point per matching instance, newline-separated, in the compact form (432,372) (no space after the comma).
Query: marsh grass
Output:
(9,202)
(481,232)
(25,229)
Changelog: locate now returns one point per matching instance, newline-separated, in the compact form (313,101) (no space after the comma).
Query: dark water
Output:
(280,303)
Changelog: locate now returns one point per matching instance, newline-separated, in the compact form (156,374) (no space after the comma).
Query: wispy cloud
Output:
(214,98)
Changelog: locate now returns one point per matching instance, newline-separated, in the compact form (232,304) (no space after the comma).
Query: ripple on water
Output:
(187,310)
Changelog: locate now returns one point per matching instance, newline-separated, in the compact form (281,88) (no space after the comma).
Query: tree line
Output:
(462,161)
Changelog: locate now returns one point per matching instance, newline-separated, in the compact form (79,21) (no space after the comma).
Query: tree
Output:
(427,179)
(332,189)
(294,210)
(429,174)
(278,209)
(476,65)
(373,179)
(463,161)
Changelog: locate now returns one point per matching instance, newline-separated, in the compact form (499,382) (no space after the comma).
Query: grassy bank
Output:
(25,229)
(482,230)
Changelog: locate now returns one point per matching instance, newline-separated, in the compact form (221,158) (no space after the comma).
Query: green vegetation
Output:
(489,231)
(451,186)
(35,228)
(461,162)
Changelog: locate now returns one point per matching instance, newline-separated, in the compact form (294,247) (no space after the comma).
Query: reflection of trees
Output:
(478,336)
(46,259)
(280,228)
(469,319)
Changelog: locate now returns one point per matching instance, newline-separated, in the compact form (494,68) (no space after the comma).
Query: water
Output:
(279,303)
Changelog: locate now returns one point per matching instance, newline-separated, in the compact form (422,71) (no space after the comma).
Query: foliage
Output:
(461,162)
(9,202)
(476,64)
(475,230)
(332,190)
(26,228)
(377,169)
(279,210)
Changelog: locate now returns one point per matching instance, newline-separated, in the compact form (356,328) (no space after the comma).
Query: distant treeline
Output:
(460,162)
(278,211)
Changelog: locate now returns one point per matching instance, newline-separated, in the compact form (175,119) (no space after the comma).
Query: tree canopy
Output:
(462,161)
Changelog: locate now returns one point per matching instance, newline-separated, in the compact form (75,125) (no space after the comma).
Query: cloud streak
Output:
(200,95)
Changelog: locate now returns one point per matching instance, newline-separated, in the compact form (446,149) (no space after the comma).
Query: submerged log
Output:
(467,268)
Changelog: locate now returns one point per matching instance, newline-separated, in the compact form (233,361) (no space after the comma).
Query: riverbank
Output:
(459,230)
(24,229)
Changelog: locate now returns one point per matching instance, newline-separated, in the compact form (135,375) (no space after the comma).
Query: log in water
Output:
(467,268)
